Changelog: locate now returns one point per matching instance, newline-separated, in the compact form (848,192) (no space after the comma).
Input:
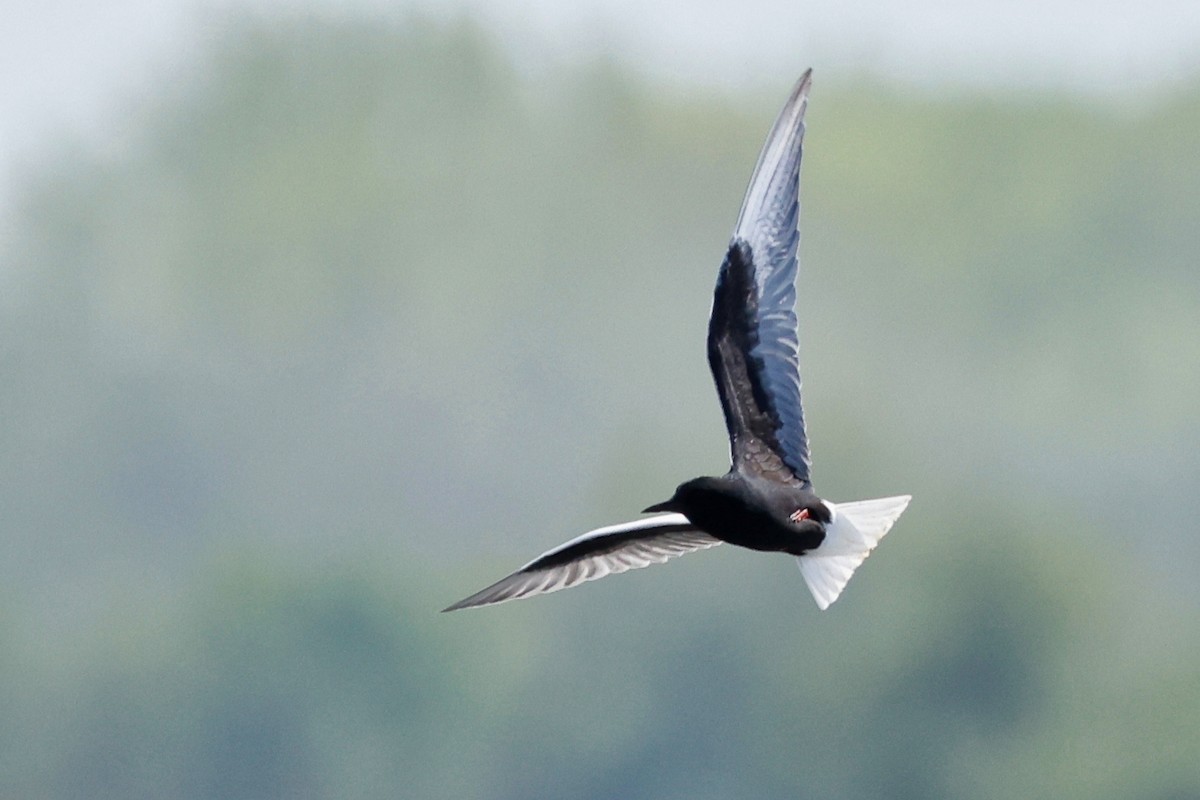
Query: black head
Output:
(686,495)
(666,505)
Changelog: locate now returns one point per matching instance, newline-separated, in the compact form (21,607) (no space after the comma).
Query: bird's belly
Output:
(764,533)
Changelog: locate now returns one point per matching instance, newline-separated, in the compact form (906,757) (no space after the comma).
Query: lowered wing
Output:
(604,551)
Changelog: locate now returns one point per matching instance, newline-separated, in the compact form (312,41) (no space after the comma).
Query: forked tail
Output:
(849,538)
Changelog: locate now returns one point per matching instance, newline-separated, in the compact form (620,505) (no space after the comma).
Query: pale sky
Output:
(65,64)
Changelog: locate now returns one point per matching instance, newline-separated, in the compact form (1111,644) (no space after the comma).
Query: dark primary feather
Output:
(604,551)
(752,336)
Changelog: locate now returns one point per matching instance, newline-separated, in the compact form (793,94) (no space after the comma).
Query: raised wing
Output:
(604,551)
(752,338)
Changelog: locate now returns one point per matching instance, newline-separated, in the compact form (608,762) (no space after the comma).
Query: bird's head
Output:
(685,496)
(666,505)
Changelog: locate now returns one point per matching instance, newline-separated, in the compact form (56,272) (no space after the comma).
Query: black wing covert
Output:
(752,334)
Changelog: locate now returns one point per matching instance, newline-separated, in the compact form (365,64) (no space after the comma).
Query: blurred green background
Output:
(359,315)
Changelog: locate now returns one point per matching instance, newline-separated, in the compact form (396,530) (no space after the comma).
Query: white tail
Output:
(849,538)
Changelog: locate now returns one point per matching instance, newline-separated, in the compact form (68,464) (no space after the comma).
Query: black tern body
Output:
(766,501)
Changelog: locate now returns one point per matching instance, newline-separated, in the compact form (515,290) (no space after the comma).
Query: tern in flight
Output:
(766,501)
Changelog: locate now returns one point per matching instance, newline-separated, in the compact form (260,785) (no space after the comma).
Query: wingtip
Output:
(797,100)
(476,600)
(470,602)
(802,87)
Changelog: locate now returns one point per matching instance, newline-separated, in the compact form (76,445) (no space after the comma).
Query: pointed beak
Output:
(663,506)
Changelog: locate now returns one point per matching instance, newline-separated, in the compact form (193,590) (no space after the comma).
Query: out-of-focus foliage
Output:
(362,318)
